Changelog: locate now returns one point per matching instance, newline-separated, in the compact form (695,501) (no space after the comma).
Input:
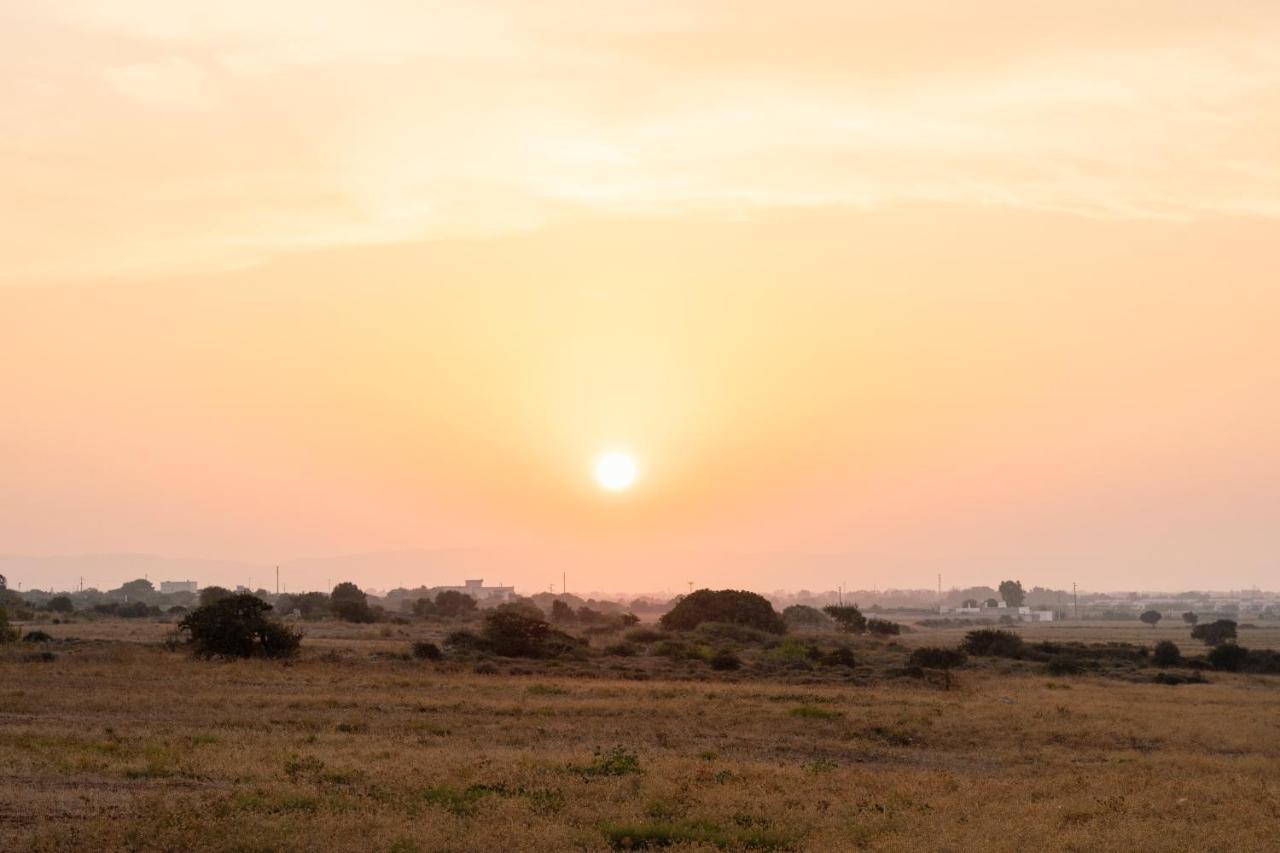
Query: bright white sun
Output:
(615,471)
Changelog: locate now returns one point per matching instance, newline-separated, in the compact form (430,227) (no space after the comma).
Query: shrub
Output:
(1263,661)
(934,657)
(1178,678)
(61,604)
(451,604)
(1166,653)
(6,634)
(464,641)
(1215,633)
(423,608)
(214,594)
(848,617)
(737,607)
(427,651)
(36,637)
(804,616)
(725,660)
(1228,656)
(1190,618)
(1064,665)
(992,642)
(1151,617)
(350,604)
(621,650)
(644,635)
(883,627)
(238,627)
(719,632)
(840,657)
(618,761)
(511,633)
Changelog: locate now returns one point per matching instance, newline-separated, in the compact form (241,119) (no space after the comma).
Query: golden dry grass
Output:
(123,745)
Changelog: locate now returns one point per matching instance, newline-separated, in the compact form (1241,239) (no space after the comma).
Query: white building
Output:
(1022,614)
(477,590)
(177,586)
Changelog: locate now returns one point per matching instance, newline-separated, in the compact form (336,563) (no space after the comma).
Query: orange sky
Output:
(870,295)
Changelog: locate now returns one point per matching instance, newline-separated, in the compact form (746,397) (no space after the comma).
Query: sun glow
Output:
(615,471)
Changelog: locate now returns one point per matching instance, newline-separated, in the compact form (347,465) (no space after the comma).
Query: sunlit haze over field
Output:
(753,295)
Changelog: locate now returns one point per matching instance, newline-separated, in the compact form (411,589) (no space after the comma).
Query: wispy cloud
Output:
(143,137)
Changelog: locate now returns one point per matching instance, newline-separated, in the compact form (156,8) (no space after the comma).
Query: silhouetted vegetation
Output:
(934,657)
(1012,593)
(214,594)
(1227,656)
(725,660)
(1151,617)
(238,627)
(1166,653)
(349,603)
(510,632)
(1190,618)
(732,606)
(992,642)
(804,616)
(883,627)
(848,617)
(61,604)
(452,604)
(1215,633)
(427,651)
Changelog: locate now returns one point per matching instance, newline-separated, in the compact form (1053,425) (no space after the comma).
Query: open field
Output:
(124,745)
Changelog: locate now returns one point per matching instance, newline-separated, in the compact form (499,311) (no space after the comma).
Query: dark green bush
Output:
(36,636)
(725,660)
(839,656)
(621,650)
(427,651)
(848,617)
(935,657)
(238,627)
(883,627)
(61,604)
(1065,665)
(451,604)
(512,633)
(736,607)
(1215,633)
(1166,653)
(992,642)
(644,635)
(1228,656)
(464,641)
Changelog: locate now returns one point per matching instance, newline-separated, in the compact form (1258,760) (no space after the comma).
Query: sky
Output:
(869,292)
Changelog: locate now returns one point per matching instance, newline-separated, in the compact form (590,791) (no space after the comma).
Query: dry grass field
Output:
(117,743)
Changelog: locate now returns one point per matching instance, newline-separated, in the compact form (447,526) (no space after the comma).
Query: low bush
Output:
(992,642)
(464,641)
(1064,665)
(848,617)
(7,634)
(1214,633)
(427,651)
(839,656)
(737,607)
(804,616)
(719,632)
(1179,678)
(935,657)
(883,627)
(1166,653)
(1228,656)
(36,637)
(238,627)
(618,761)
(644,635)
(725,660)
(511,633)
(621,650)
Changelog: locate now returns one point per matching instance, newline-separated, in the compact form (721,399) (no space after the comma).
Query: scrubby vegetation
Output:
(238,626)
(730,606)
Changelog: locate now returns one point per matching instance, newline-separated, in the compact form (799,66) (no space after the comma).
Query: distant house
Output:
(177,586)
(477,590)
(1022,614)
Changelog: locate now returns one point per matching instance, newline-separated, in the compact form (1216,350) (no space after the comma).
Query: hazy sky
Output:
(870,291)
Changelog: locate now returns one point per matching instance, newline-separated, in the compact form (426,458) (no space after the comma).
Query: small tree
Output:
(1151,617)
(991,602)
(969,603)
(561,613)
(1190,618)
(136,589)
(6,634)
(350,604)
(214,594)
(935,657)
(1012,593)
(424,608)
(848,617)
(1166,653)
(450,604)
(61,604)
(993,642)
(1214,633)
(883,627)
(238,627)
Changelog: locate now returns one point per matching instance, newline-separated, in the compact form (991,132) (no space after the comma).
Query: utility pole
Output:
(277,580)
(691,587)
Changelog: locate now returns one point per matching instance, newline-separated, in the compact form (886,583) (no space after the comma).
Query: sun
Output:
(615,471)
